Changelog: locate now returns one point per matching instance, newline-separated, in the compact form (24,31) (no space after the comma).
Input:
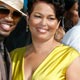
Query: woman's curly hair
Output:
(58,5)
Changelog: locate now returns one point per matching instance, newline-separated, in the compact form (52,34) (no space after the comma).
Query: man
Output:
(14,41)
(72,36)
(9,16)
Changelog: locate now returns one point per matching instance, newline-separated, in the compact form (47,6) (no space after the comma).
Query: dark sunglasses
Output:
(4,11)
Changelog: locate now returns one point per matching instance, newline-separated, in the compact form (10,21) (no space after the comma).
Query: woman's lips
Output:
(42,30)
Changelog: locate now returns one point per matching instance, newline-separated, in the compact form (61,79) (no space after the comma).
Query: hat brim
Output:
(15,8)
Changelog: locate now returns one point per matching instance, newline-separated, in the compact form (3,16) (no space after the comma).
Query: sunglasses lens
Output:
(4,11)
(16,14)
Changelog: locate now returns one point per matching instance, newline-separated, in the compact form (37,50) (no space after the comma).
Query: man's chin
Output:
(2,36)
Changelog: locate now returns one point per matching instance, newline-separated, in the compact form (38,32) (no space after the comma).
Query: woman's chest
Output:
(31,63)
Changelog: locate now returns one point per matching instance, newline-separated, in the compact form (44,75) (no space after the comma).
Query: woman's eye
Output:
(51,18)
(37,16)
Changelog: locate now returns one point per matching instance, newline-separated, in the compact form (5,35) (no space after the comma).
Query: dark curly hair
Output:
(59,7)
(69,4)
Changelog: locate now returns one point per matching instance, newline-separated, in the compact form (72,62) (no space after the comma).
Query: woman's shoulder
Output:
(20,51)
(17,53)
(67,53)
(70,50)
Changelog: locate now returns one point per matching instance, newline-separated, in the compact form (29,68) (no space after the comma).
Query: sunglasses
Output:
(5,12)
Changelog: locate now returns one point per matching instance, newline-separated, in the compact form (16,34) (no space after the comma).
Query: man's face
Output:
(9,18)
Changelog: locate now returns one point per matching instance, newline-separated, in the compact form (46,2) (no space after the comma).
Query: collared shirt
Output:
(72,37)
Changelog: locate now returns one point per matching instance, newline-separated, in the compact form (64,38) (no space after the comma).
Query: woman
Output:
(72,36)
(71,14)
(45,58)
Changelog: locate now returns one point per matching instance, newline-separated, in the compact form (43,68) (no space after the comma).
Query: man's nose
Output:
(9,17)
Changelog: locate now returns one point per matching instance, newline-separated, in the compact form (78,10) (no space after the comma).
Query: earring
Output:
(27,28)
(27,25)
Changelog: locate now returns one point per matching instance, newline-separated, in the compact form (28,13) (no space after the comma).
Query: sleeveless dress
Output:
(52,68)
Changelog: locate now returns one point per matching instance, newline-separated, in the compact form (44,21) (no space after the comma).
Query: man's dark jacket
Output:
(5,66)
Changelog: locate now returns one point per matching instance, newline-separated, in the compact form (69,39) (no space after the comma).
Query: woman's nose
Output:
(44,22)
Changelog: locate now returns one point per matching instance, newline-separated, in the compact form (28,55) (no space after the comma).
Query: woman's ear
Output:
(58,25)
(59,34)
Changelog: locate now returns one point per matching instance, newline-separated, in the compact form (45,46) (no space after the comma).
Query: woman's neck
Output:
(47,46)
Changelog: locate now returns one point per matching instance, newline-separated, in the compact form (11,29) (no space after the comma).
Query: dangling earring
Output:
(27,25)
(27,28)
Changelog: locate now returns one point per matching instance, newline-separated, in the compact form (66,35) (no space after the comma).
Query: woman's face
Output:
(42,21)
(74,13)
